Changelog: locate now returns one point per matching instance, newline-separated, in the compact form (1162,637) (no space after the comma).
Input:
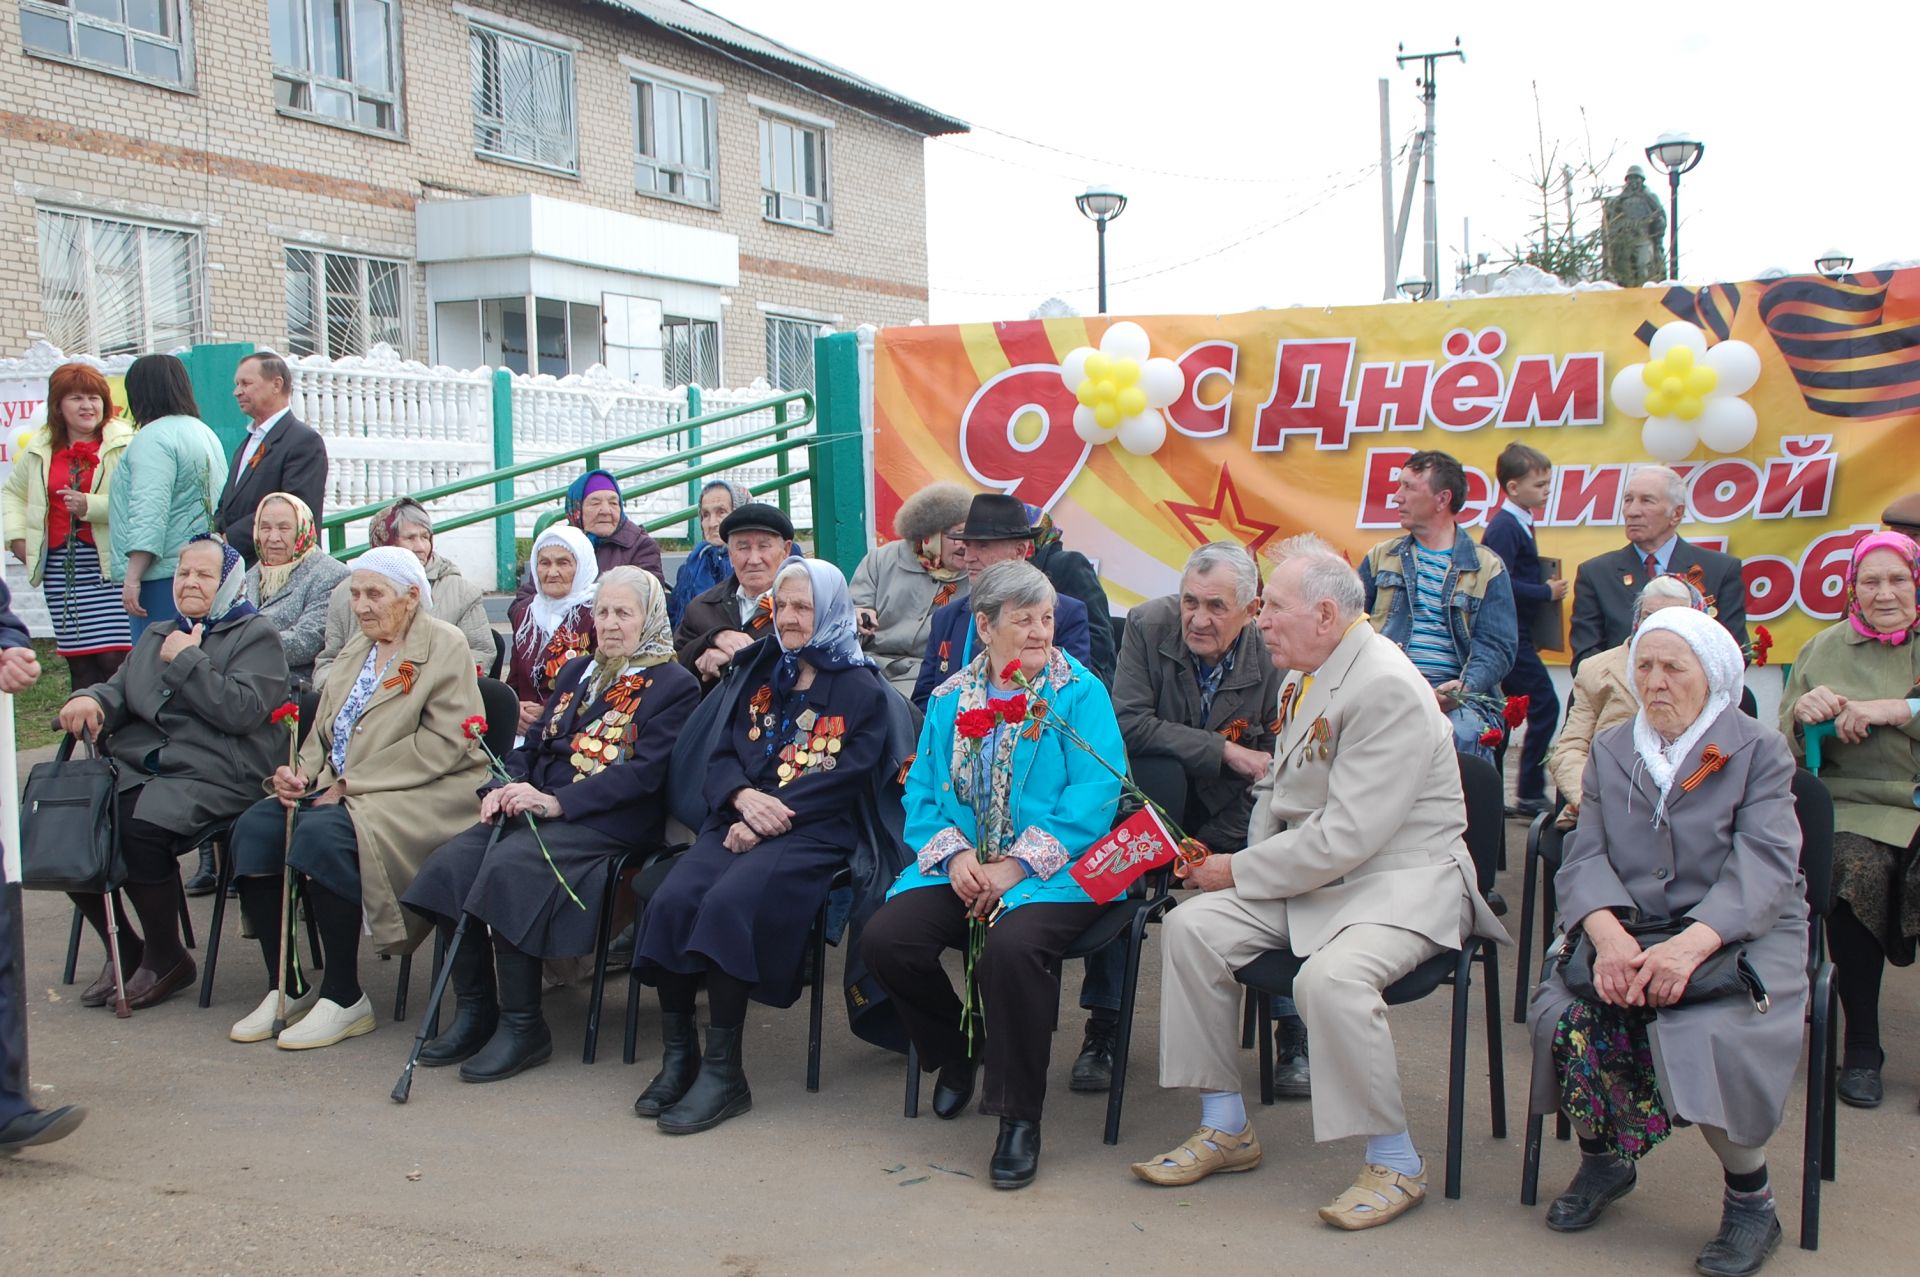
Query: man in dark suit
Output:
(996,530)
(281,454)
(1653,506)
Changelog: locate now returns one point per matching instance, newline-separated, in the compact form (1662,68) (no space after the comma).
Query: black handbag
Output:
(1725,973)
(68,824)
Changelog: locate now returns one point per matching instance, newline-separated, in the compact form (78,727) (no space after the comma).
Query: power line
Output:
(1105,163)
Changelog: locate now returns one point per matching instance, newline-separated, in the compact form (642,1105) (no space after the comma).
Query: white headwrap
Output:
(402,567)
(544,615)
(1719,657)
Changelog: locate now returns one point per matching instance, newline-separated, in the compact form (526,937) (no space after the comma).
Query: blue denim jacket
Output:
(1478,597)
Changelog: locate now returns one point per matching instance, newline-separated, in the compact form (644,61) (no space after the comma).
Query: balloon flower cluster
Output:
(1689,393)
(1122,391)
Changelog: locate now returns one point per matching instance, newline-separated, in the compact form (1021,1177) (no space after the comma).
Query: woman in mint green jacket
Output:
(166,490)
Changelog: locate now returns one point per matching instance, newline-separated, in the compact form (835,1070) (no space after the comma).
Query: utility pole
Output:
(1388,247)
(1429,65)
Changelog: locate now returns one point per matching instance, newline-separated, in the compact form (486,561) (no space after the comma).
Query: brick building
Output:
(539,184)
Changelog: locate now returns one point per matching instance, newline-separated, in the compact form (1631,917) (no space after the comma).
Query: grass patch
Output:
(35,709)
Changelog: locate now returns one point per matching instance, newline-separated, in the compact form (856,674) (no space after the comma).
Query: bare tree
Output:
(1566,239)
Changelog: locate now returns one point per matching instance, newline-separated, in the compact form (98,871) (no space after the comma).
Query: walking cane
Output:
(120,1008)
(290,715)
(404,1087)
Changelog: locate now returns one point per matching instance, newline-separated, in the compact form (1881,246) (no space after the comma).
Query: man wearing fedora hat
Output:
(1904,515)
(739,610)
(996,530)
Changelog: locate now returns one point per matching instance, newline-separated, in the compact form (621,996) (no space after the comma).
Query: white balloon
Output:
(1727,424)
(1737,364)
(1677,333)
(1143,433)
(1629,391)
(1162,381)
(1126,340)
(1073,369)
(1089,428)
(1667,438)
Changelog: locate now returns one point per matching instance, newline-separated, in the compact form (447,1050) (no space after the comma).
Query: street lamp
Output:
(1833,263)
(1674,154)
(1416,290)
(1102,204)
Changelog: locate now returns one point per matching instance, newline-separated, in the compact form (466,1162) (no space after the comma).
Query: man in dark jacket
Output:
(734,613)
(281,454)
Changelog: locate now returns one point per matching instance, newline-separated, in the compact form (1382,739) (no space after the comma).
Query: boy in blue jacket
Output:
(1525,476)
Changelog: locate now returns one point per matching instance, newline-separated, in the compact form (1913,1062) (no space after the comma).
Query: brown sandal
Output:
(1379,1196)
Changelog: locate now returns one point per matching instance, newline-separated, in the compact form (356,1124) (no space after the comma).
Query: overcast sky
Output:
(1246,136)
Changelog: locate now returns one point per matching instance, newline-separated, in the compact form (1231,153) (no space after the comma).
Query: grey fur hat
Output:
(934,508)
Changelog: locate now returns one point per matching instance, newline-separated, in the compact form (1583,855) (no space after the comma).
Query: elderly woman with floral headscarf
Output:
(1687,847)
(186,721)
(294,579)
(554,624)
(594,509)
(589,777)
(706,564)
(387,774)
(456,600)
(783,791)
(1862,677)
(897,587)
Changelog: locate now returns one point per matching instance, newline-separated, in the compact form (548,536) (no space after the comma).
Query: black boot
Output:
(1749,1232)
(720,1092)
(1016,1154)
(521,1040)
(476,1011)
(1602,1180)
(1093,1071)
(679,1065)
(203,881)
(1292,1074)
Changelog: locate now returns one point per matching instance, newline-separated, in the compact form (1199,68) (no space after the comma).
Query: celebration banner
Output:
(1791,407)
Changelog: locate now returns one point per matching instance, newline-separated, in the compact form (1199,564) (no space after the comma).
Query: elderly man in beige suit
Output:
(1355,860)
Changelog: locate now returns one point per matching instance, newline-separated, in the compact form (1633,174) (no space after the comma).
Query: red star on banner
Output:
(1225,519)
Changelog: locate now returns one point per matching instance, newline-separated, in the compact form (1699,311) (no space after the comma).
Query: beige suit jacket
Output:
(1373,831)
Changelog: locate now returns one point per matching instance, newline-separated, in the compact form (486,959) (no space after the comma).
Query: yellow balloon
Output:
(1126,372)
(1687,407)
(1674,386)
(1107,415)
(1132,401)
(1098,365)
(1702,380)
(1084,392)
(1679,359)
(1106,391)
(1651,373)
(1659,403)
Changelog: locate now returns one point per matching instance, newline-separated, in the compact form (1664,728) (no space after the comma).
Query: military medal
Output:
(753,733)
(806,720)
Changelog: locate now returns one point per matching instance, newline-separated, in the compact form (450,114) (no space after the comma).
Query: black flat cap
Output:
(757,517)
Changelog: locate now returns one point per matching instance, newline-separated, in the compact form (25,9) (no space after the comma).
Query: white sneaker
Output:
(329,1022)
(258,1026)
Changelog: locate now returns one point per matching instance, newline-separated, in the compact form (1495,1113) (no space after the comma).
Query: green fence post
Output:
(506,567)
(211,368)
(839,460)
(692,437)
(781,466)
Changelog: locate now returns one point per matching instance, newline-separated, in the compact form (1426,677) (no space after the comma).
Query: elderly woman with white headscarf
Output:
(590,777)
(783,790)
(1687,854)
(387,774)
(553,624)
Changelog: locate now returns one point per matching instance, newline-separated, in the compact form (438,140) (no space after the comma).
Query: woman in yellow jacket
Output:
(55,511)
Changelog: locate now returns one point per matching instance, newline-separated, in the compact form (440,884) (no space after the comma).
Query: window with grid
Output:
(673,143)
(523,100)
(146,38)
(334,59)
(110,287)
(339,304)
(790,352)
(793,173)
(689,352)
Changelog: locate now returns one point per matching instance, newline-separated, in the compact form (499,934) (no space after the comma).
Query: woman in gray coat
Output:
(456,600)
(187,721)
(1688,817)
(898,587)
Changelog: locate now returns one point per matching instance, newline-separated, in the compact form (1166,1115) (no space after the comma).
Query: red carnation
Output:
(475,727)
(288,711)
(974,724)
(1492,737)
(1762,642)
(1011,672)
(1011,710)
(1516,710)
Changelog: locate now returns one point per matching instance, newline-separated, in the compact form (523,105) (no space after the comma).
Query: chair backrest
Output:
(1119,633)
(1481,786)
(499,655)
(1748,705)
(502,709)
(309,702)
(1814,806)
(1164,780)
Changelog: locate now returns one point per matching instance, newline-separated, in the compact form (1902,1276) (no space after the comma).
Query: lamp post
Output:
(1674,154)
(1833,263)
(1416,290)
(1102,204)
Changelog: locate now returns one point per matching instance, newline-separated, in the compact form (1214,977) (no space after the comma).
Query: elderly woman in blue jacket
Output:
(997,816)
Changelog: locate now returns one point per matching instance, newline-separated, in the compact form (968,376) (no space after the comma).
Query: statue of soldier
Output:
(1635,234)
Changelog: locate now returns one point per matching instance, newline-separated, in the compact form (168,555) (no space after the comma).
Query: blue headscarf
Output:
(591,481)
(230,599)
(835,644)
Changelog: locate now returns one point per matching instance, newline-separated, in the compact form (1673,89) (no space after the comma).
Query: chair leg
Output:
(186,917)
(1123,1039)
(631,1047)
(1562,1128)
(1529,891)
(603,937)
(1457,1075)
(1496,1059)
(313,934)
(1530,1162)
(1829,1156)
(1247,1021)
(1815,1144)
(912,1106)
(222,879)
(73,946)
(1263,1028)
(816,1010)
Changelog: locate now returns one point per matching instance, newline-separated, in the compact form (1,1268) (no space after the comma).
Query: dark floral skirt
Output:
(1881,884)
(1604,1064)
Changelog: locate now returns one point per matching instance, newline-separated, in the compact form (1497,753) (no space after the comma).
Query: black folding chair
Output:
(1544,844)
(1274,972)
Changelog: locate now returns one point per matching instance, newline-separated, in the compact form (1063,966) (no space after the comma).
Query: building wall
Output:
(221,158)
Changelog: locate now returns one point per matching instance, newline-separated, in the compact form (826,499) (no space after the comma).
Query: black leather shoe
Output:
(203,882)
(1292,1074)
(476,1011)
(1861,1088)
(522,1039)
(1748,1234)
(40,1127)
(1496,904)
(679,1065)
(718,1093)
(1093,1071)
(1599,1183)
(1016,1154)
(953,1089)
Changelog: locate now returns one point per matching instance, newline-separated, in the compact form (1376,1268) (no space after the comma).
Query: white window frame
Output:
(479,31)
(91,296)
(809,212)
(320,325)
(690,326)
(775,320)
(306,78)
(65,11)
(647,84)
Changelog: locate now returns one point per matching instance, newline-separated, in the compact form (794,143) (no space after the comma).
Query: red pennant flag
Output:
(1137,845)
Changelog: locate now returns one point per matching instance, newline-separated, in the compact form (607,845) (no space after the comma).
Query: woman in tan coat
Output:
(387,775)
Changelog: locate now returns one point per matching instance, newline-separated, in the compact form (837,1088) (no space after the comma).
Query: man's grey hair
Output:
(1662,589)
(1325,574)
(1226,556)
(1015,583)
(271,365)
(1676,486)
